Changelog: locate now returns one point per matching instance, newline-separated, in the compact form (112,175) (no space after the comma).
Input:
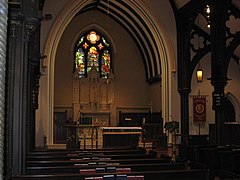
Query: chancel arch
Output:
(161,54)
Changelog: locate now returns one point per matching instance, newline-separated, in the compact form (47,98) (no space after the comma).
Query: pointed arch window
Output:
(92,50)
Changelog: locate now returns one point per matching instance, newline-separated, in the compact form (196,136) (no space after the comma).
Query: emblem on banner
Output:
(199,108)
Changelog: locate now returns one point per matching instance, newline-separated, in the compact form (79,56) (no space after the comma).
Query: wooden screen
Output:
(60,131)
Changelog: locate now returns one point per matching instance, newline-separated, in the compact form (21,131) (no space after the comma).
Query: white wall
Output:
(131,89)
(155,94)
(50,7)
(164,19)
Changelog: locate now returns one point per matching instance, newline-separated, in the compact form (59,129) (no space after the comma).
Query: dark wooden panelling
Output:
(231,133)
(60,131)
(152,123)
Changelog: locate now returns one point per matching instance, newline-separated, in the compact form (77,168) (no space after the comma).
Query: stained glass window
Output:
(92,50)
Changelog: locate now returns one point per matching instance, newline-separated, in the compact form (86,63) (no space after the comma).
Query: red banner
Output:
(199,108)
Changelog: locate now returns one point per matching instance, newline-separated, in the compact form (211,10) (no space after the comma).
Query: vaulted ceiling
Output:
(124,12)
(232,23)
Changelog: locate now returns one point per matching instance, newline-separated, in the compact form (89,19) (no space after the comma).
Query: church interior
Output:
(120,89)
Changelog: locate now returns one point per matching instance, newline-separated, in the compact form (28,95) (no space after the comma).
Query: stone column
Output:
(218,63)
(184,75)
(3,43)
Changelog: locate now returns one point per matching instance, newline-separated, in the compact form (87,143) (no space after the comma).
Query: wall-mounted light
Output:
(199,73)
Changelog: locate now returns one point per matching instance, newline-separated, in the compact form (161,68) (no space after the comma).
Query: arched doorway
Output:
(231,108)
(230,114)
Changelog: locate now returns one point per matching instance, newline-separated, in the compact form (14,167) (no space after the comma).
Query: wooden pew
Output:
(230,160)
(218,159)
(127,150)
(229,164)
(194,153)
(97,155)
(67,165)
(134,167)
(70,162)
(226,175)
(54,165)
(107,160)
(196,174)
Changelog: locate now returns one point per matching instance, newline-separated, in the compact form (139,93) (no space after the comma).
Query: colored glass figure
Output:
(80,62)
(92,50)
(93,57)
(105,63)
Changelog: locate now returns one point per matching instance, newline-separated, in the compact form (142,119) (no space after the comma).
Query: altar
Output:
(91,136)
(120,136)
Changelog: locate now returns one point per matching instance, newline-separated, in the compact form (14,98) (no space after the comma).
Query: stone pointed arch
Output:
(235,104)
(165,64)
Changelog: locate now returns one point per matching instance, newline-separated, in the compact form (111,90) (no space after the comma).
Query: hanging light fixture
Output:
(207,14)
(199,73)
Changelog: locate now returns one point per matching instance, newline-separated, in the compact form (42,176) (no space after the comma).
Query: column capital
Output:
(31,25)
(15,24)
(219,83)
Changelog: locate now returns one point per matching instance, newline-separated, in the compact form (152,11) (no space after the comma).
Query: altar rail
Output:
(231,133)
